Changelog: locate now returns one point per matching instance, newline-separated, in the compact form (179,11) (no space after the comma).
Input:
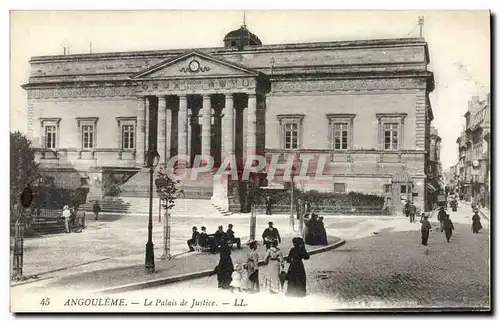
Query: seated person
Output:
(194,239)
(220,237)
(203,237)
(231,238)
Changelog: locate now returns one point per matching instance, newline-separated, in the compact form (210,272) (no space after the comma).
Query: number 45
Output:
(45,301)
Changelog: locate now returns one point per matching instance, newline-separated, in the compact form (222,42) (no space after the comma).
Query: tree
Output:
(167,191)
(23,168)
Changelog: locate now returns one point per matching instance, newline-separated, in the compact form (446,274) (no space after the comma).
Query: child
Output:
(236,283)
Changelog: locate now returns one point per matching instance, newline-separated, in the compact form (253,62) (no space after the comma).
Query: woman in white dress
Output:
(274,265)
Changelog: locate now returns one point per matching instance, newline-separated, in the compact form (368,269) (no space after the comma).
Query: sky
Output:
(459,45)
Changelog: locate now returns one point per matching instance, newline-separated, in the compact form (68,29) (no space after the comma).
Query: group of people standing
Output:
(314,232)
(74,219)
(246,277)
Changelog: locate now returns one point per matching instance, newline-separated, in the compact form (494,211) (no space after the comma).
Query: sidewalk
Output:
(189,263)
(485,212)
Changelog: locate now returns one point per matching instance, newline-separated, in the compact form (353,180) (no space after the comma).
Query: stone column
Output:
(251,134)
(148,115)
(244,116)
(189,132)
(141,129)
(168,135)
(228,127)
(206,126)
(162,114)
(182,124)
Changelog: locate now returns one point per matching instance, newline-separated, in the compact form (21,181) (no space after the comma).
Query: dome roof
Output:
(244,33)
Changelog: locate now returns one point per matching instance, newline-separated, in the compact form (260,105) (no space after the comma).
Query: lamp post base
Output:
(150,258)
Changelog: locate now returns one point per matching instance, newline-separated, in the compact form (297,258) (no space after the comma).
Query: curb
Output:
(186,277)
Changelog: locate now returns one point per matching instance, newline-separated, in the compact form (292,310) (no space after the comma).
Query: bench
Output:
(210,241)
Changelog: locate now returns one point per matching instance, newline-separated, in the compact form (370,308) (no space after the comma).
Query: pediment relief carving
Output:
(194,64)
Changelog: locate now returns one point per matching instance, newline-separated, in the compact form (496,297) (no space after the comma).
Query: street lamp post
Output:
(152,161)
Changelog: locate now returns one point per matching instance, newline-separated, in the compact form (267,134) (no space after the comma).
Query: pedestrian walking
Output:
(252,267)
(407,208)
(296,275)
(268,206)
(274,265)
(96,208)
(476,222)
(441,217)
(448,228)
(67,218)
(412,210)
(424,230)
(224,269)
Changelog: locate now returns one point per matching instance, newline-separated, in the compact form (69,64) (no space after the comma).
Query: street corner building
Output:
(364,105)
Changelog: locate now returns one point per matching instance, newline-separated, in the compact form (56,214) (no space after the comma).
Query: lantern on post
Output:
(153,157)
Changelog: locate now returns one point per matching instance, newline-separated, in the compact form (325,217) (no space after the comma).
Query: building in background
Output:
(474,152)
(364,105)
(435,183)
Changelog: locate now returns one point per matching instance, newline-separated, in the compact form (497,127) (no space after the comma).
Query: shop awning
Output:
(433,186)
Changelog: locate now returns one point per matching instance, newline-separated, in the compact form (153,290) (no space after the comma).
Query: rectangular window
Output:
(387,188)
(340,135)
(339,187)
(391,136)
(50,136)
(88,136)
(291,136)
(403,188)
(128,137)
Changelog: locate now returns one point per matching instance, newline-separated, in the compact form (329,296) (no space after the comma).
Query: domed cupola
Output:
(241,38)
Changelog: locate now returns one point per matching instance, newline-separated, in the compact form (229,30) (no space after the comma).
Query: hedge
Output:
(317,198)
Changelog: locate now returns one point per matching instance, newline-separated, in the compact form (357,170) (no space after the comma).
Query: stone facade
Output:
(363,104)
(474,151)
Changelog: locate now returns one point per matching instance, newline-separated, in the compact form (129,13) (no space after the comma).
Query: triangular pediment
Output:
(194,64)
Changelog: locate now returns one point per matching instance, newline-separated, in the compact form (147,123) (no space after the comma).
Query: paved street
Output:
(392,269)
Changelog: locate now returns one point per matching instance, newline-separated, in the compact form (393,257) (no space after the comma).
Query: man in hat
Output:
(448,227)
(194,239)
(268,206)
(426,227)
(231,238)
(203,237)
(441,217)
(269,234)
(412,210)
(220,237)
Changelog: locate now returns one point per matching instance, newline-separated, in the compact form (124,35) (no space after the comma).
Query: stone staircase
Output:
(140,205)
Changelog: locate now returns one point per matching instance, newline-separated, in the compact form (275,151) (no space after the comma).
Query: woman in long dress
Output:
(252,267)
(225,268)
(296,274)
(274,264)
(476,222)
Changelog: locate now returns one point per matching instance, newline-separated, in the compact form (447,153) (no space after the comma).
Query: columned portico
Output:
(182,126)
(191,118)
(206,125)
(228,127)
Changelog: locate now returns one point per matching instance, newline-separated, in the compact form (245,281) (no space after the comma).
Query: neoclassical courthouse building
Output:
(363,104)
